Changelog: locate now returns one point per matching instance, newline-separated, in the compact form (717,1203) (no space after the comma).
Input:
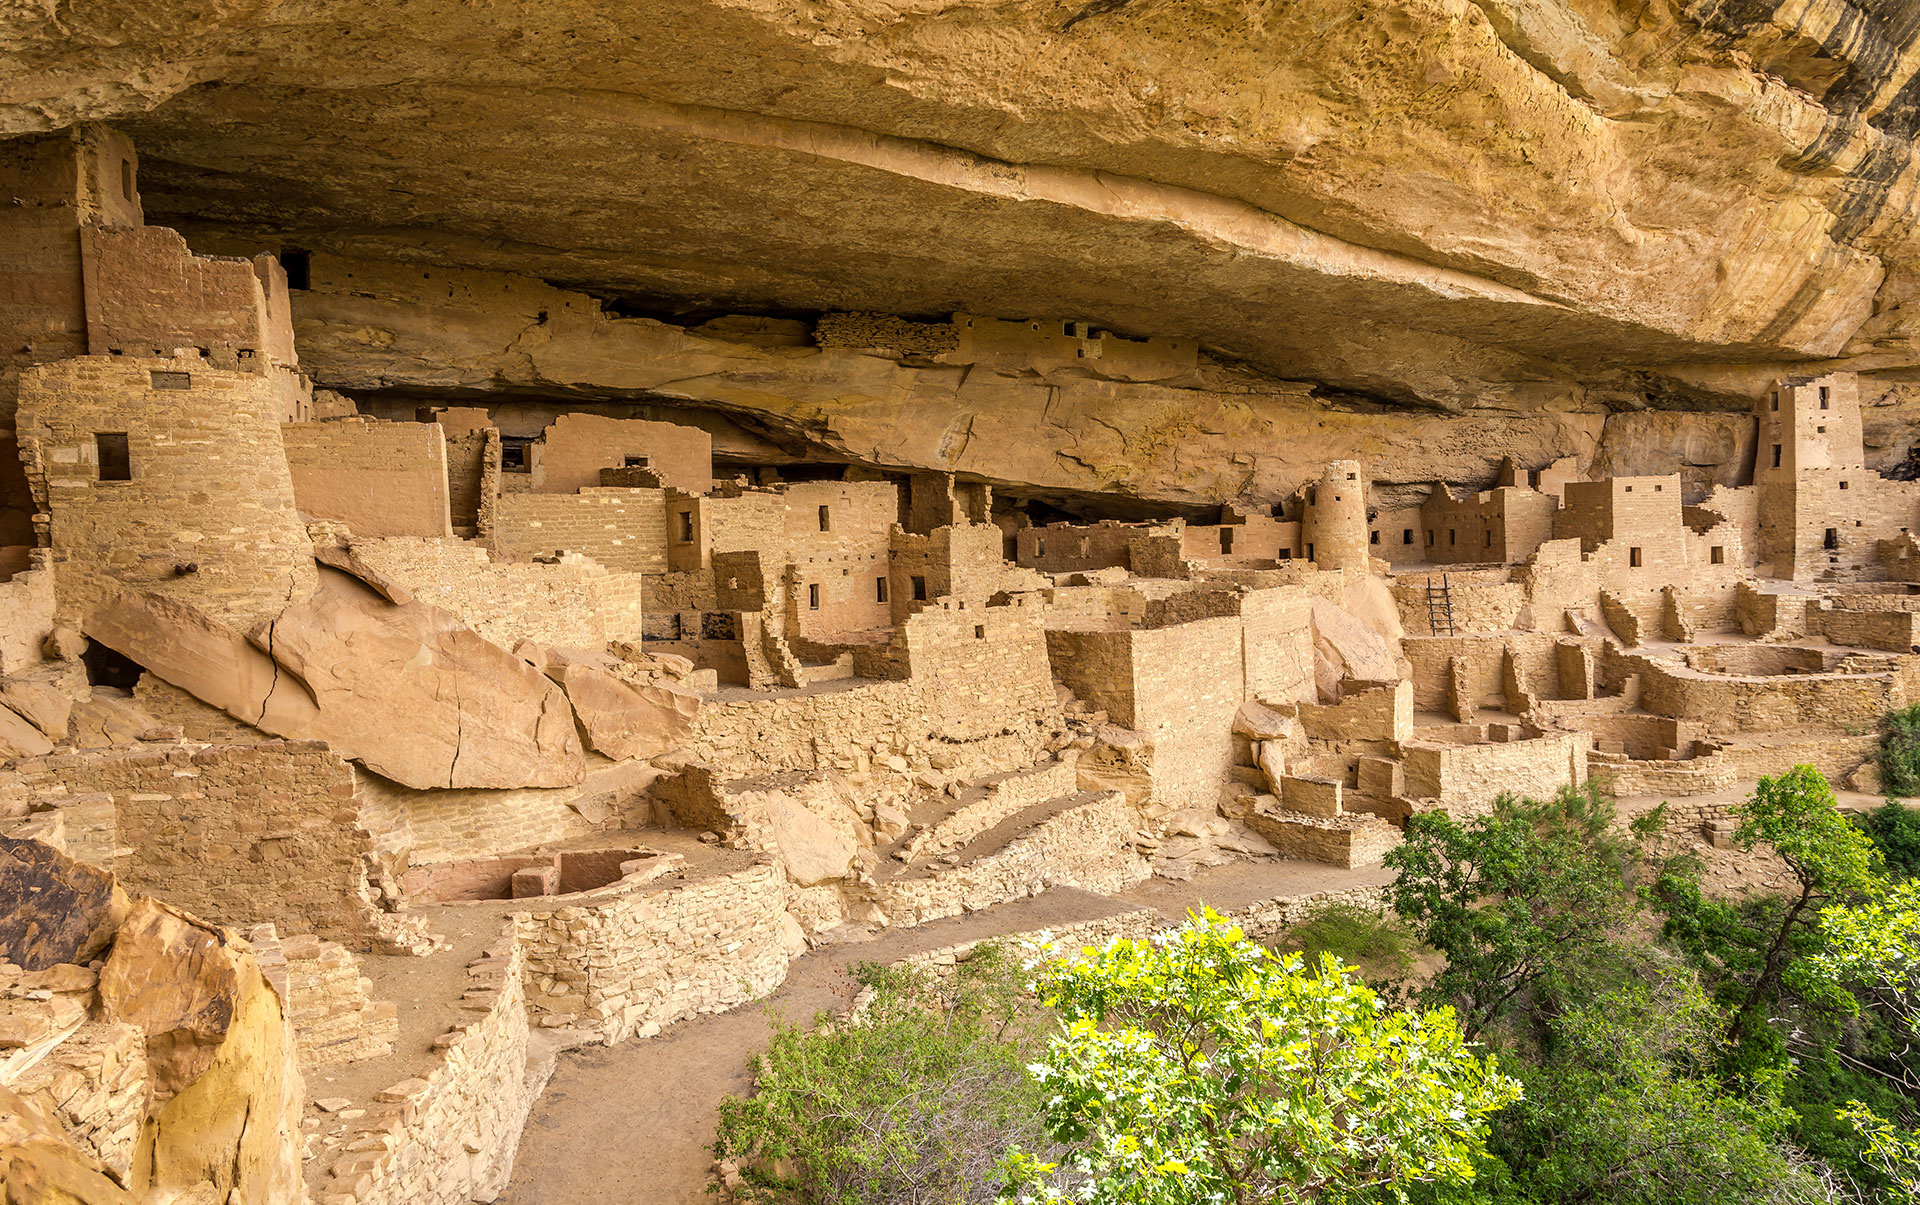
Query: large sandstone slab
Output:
(54,909)
(39,1165)
(405,689)
(44,706)
(623,720)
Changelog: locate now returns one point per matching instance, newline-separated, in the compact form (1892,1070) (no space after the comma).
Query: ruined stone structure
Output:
(445,626)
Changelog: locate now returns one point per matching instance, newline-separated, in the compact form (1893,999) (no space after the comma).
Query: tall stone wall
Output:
(207,514)
(379,478)
(621,528)
(26,617)
(578,446)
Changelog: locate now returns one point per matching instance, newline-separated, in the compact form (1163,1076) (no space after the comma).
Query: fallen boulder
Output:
(405,689)
(623,720)
(54,909)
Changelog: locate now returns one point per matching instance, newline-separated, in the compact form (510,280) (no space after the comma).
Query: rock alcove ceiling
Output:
(1531,213)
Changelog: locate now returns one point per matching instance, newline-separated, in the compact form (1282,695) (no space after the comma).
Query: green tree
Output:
(1873,947)
(1623,1108)
(1894,829)
(1528,892)
(1894,1151)
(1203,1067)
(913,1102)
(1900,754)
(1831,860)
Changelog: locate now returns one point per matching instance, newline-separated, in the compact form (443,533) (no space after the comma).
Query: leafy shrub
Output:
(915,1102)
(1382,947)
(1894,830)
(1200,1068)
(1900,753)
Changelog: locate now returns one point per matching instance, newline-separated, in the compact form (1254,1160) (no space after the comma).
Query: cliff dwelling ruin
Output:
(516,560)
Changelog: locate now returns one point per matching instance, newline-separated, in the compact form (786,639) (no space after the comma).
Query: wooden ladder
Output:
(1439,606)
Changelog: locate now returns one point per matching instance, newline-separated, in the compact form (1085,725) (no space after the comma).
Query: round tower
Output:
(1335,530)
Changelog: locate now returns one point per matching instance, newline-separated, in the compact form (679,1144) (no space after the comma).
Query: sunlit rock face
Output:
(1509,206)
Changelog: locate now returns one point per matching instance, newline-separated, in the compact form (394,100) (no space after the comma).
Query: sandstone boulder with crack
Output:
(406,689)
(623,720)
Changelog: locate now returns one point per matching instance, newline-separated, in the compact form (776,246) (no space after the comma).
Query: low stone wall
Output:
(335,1018)
(1088,845)
(1465,779)
(1724,703)
(574,602)
(850,728)
(1349,840)
(1003,798)
(449,1137)
(640,961)
(1894,631)
(1629,777)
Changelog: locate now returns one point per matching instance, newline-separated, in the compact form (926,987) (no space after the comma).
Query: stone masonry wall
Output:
(572,603)
(621,528)
(26,618)
(1466,778)
(449,1137)
(208,514)
(239,834)
(379,478)
(645,959)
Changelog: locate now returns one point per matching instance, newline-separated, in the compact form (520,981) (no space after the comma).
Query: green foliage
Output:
(1202,1067)
(1514,899)
(1900,754)
(1894,830)
(1624,1110)
(1797,814)
(1381,947)
(1874,947)
(914,1102)
(1894,1151)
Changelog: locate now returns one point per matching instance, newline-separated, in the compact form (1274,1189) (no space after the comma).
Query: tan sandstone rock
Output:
(54,909)
(623,720)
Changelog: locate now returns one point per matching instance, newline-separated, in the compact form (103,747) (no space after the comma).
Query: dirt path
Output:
(628,1125)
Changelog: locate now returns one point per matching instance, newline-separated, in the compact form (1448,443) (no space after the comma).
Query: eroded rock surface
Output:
(407,690)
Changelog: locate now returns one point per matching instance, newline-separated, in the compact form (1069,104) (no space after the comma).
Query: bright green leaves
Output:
(1202,1067)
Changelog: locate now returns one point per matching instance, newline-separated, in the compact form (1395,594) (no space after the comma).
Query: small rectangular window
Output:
(112,455)
(1040,546)
(298,266)
(1843,485)
(1823,397)
(1489,539)
(880,589)
(1309,552)
(514,455)
(813,597)
(1451,534)
(634,462)
(1820,430)
(1086,546)
(1629,489)
(1226,539)
(826,523)
(1717,555)
(980,631)
(1373,537)
(1429,537)
(919,589)
(171,380)
(126,178)
(1633,557)
(1658,488)
(1776,456)
(686,527)
(1406,537)
(1776,401)
(1833,538)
